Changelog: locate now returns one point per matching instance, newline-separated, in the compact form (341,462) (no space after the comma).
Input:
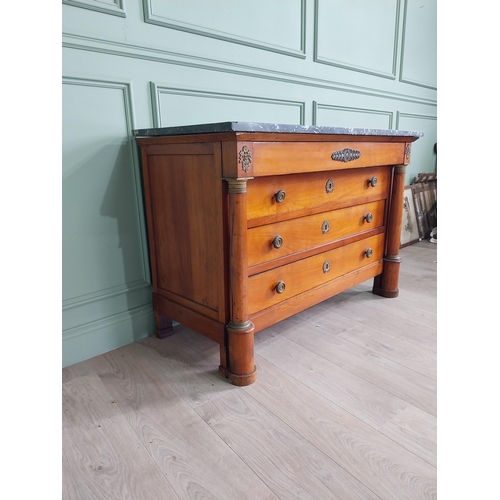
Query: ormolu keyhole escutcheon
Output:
(326,266)
(329,186)
(325,227)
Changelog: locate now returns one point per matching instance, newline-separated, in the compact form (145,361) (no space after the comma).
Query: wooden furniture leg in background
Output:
(164,326)
(386,284)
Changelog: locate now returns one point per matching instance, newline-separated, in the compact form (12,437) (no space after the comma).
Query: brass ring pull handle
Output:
(326,266)
(369,252)
(280,287)
(329,185)
(280,196)
(372,182)
(369,217)
(277,242)
(325,227)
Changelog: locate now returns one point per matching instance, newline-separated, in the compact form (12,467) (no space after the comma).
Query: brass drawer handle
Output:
(280,196)
(329,185)
(369,217)
(372,182)
(369,252)
(277,242)
(280,287)
(325,227)
(326,266)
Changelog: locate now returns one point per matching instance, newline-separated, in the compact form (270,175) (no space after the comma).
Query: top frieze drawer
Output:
(277,158)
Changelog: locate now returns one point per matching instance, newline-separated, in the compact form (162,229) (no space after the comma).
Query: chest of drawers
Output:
(251,223)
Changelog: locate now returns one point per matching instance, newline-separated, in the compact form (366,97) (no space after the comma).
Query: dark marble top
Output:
(268,127)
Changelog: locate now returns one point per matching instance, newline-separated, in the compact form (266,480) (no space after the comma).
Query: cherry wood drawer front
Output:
(279,196)
(305,274)
(273,241)
(276,158)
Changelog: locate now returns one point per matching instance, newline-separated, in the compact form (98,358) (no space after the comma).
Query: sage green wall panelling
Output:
(419,57)
(144,63)
(358,35)
(133,37)
(181,107)
(325,114)
(105,267)
(277,25)
(97,337)
(423,156)
(100,220)
(114,7)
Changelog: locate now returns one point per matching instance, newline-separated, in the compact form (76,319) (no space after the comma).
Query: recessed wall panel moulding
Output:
(277,26)
(358,36)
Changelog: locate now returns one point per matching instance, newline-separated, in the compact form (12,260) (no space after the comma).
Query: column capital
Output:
(237,185)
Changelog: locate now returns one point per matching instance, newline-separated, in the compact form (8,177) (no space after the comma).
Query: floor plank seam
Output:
(375,304)
(395,336)
(365,378)
(371,305)
(329,303)
(312,444)
(110,437)
(400,364)
(238,455)
(357,324)
(357,345)
(333,402)
(139,438)
(409,451)
(286,374)
(315,325)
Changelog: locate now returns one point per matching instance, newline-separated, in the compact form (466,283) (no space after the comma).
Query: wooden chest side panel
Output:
(184,193)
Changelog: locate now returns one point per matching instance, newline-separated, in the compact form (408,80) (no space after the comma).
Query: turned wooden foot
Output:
(164,327)
(239,356)
(386,284)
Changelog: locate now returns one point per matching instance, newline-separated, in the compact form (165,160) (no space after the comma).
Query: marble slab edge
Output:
(209,128)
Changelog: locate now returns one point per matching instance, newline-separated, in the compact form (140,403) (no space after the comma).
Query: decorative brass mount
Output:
(245,158)
(407,152)
(346,154)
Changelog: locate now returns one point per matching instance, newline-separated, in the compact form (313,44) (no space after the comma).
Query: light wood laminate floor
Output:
(344,407)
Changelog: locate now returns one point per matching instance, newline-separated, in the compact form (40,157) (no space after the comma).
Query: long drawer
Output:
(277,240)
(279,196)
(281,283)
(276,158)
